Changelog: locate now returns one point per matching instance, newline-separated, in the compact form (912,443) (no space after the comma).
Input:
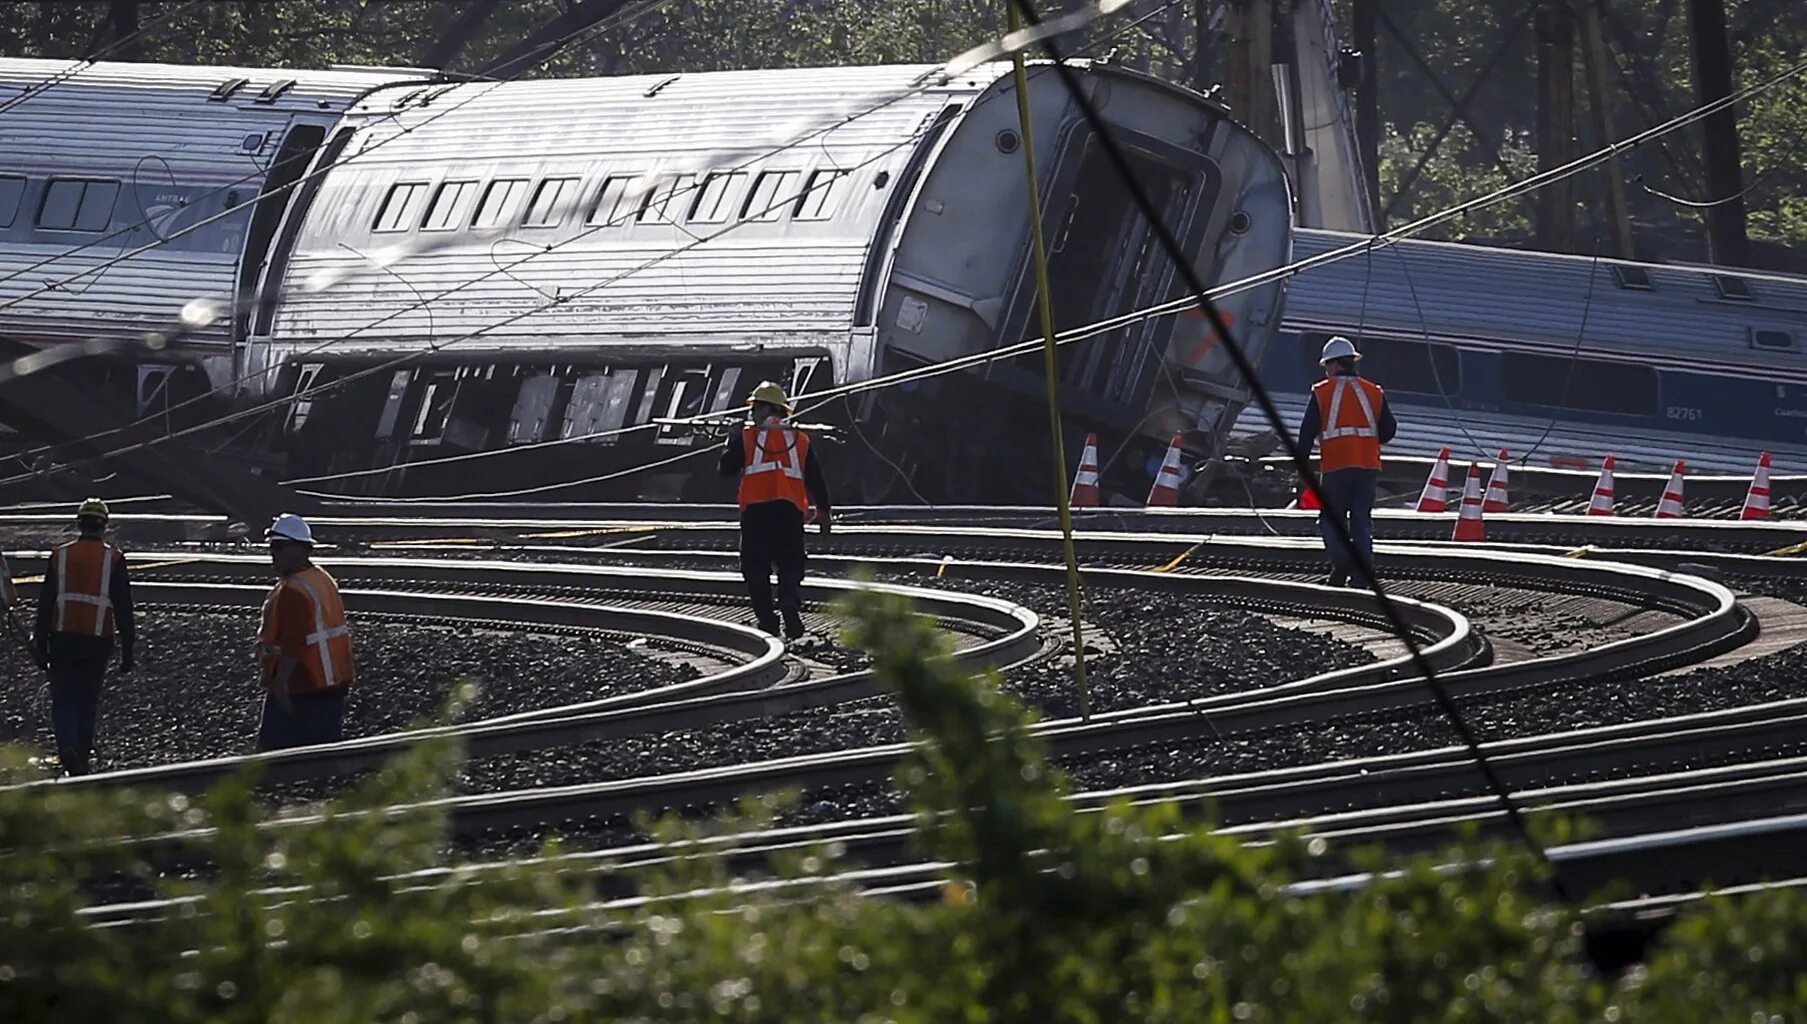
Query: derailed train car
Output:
(128,190)
(523,263)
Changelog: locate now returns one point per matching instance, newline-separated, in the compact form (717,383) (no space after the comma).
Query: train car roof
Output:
(793,277)
(1674,314)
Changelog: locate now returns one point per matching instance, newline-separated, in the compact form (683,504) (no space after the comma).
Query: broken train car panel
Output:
(102,160)
(529,261)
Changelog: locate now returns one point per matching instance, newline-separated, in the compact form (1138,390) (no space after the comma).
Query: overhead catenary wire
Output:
(550,48)
(44,85)
(1301,458)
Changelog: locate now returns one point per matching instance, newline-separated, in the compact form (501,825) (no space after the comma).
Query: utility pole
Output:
(1250,81)
(1367,106)
(1556,122)
(1725,162)
(1595,58)
(123,15)
(1201,45)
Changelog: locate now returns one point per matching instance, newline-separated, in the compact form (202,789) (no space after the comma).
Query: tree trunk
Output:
(1725,163)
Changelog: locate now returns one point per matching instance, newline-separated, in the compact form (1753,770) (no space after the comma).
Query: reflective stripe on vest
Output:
(84,592)
(1333,428)
(1350,437)
(320,639)
(326,653)
(770,472)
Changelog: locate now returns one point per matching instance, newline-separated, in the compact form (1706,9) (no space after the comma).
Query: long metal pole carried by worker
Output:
(1046,304)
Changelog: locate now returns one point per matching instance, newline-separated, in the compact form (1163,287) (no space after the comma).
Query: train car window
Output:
(1774,341)
(1589,384)
(773,192)
(1634,278)
(655,206)
(12,193)
(1730,287)
(547,208)
(713,201)
(612,205)
(77,204)
(814,203)
(397,211)
(449,204)
(498,203)
(1397,364)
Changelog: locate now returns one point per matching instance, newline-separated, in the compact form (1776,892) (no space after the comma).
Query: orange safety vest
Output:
(9,596)
(772,469)
(326,651)
(83,571)
(1349,409)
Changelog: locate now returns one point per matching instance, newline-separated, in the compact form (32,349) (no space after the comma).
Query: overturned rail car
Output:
(526,263)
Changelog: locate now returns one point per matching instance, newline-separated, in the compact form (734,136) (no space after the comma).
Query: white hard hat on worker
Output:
(290,527)
(1336,348)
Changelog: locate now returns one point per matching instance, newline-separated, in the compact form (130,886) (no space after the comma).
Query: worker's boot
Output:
(768,626)
(793,624)
(1337,578)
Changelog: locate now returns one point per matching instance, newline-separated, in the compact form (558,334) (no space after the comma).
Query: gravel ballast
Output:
(195,695)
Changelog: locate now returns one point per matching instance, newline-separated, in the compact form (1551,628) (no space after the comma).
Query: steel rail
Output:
(883,843)
(1012,634)
(501,519)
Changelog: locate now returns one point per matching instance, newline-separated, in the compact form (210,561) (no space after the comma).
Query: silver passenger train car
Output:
(115,184)
(1559,359)
(534,261)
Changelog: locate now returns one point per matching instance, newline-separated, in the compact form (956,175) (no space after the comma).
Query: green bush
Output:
(1131,914)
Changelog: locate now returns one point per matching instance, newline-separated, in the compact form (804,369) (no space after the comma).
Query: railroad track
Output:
(1462,603)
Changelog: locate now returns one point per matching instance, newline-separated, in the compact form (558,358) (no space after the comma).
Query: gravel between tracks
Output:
(1162,648)
(194,694)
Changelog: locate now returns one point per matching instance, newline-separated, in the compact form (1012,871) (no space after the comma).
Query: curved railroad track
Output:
(1497,624)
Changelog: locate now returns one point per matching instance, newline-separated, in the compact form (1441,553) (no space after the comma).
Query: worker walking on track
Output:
(85,602)
(780,480)
(304,645)
(1348,417)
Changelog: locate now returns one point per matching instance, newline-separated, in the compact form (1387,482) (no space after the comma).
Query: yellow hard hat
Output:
(93,508)
(770,394)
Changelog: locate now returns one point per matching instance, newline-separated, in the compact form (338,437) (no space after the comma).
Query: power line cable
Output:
(103,346)
(551,48)
(1301,458)
(50,82)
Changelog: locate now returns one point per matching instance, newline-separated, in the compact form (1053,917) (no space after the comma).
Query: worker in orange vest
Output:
(304,645)
(85,602)
(780,478)
(1349,419)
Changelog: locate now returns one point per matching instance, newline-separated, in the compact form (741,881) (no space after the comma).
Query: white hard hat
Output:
(290,526)
(1339,347)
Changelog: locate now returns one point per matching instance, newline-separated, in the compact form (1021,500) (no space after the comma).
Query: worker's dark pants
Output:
(78,667)
(1349,495)
(771,537)
(316,718)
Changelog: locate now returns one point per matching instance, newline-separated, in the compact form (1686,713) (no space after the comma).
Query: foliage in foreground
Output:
(1068,917)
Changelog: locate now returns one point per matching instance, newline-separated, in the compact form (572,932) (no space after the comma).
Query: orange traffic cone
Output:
(1469,525)
(1603,491)
(1085,482)
(1436,489)
(1671,505)
(1756,501)
(1496,487)
(1166,490)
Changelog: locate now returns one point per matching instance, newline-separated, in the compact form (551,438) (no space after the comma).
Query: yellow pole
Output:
(1053,366)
